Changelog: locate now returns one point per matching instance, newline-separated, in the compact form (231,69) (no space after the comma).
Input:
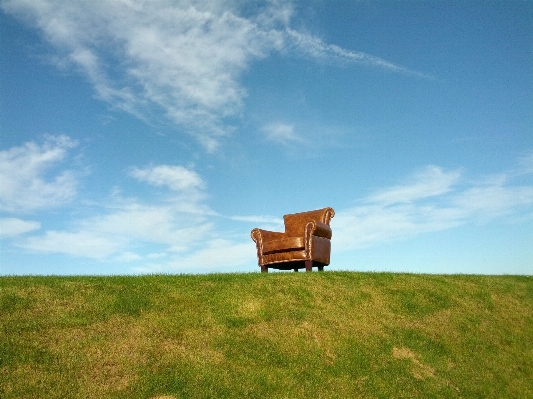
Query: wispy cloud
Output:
(177,178)
(77,243)
(11,227)
(282,133)
(183,58)
(126,228)
(429,182)
(217,254)
(493,198)
(331,53)
(25,171)
(187,186)
(526,164)
(431,200)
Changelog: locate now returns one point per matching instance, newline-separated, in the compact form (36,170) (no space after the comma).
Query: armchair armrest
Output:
(319,229)
(259,235)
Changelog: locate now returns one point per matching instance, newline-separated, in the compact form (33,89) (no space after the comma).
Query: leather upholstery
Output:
(283,245)
(307,238)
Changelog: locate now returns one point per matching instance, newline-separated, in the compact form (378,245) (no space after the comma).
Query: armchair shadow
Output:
(305,243)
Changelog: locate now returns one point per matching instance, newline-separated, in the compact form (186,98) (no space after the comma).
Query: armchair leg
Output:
(264,269)
(308,265)
(321,268)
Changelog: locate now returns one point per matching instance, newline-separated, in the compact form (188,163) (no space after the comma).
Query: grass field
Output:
(276,335)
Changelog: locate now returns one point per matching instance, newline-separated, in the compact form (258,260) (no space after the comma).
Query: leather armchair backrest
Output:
(295,222)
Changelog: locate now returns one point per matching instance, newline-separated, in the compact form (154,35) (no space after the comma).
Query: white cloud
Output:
(128,257)
(216,254)
(153,224)
(182,57)
(282,133)
(24,176)
(526,163)
(187,185)
(11,227)
(494,199)
(316,48)
(364,226)
(82,243)
(176,178)
(118,233)
(431,200)
(431,181)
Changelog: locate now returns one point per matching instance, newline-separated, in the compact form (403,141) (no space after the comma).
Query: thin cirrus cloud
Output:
(177,57)
(314,47)
(429,182)
(432,200)
(11,227)
(79,244)
(282,133)
(216,254)
(123,228)
(177,178)
(23,170)
(187,186)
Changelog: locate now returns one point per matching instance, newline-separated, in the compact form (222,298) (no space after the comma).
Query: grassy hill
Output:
(276,335)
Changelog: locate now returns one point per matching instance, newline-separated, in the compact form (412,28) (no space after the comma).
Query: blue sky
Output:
(151,137)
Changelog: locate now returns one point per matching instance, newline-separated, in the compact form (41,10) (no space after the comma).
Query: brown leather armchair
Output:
(305,243)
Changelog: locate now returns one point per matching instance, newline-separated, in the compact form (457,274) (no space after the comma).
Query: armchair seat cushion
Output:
(284,245)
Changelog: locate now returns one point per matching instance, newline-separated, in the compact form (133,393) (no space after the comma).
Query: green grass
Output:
(276,335)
